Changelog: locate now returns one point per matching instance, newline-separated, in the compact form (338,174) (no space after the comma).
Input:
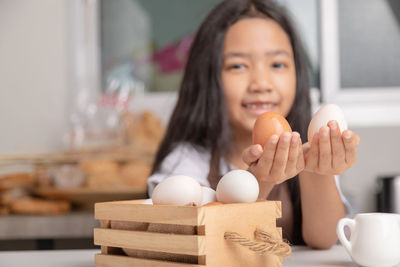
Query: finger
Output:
(350,144)
(312,157)
(267,158)
(252,154)
(306,148)
(325,156)
(300,158)
(357,139)
(338,152)
(281,155)
(291,169)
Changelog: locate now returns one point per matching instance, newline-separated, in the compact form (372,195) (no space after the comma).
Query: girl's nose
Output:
(260,81)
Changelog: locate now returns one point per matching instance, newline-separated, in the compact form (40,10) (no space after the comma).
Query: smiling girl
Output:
(245,60)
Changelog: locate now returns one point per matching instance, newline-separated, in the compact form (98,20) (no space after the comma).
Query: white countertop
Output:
(301,256)
(304,256)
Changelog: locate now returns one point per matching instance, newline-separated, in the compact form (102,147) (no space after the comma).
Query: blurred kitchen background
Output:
(87,88)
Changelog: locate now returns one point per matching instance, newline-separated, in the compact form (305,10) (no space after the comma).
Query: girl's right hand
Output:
(281,159)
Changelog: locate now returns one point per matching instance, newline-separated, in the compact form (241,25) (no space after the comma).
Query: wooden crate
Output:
(208,246)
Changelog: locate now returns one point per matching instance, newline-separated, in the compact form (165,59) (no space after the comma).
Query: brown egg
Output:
(268,124)
(213,203)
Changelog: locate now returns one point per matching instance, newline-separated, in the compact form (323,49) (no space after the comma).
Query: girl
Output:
(245,60)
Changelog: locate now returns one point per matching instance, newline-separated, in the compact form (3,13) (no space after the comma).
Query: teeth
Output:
(259,106)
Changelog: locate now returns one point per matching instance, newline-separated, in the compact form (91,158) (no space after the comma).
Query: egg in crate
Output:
(178,190)
(148,201)
(237,186)
(213,203)
(268,124)
(208,195)
(321,118)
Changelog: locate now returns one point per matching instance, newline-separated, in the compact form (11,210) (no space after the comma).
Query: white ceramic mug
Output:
(374,238)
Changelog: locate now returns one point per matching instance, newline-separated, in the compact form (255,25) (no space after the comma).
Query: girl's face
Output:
(258,72)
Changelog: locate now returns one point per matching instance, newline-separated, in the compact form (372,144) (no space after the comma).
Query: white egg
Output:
(323,116)
(148,201)
(237,186)
(209,195)
(177,190)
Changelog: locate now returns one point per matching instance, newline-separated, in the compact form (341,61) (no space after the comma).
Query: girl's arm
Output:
(330,153)
(321,207)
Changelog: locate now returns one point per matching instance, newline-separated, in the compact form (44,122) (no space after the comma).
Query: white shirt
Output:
(185,159)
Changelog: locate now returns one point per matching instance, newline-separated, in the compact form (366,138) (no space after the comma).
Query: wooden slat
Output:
(133,211)
(170,243)
(125,261)
(111,250)
(243,219)
(105,223)
(271,208)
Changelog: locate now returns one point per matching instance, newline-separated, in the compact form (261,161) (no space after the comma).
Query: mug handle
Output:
(340,232)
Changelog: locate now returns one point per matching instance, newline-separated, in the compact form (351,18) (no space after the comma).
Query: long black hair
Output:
(200,115)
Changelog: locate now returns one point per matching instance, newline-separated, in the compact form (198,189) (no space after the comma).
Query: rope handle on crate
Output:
(266,244)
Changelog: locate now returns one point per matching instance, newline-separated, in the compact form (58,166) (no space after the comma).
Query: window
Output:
(146,42)
(360,60)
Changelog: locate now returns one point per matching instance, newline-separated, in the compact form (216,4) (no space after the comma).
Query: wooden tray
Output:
(208,246)
(72,157)
(88,196)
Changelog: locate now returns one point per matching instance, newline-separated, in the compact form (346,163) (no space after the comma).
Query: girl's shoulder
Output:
(188,149)
(184,159)
(186,155)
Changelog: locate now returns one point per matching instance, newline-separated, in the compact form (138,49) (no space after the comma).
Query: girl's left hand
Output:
(331,153)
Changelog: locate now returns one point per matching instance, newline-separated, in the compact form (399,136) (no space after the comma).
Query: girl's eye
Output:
(236,66)
(278,65)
